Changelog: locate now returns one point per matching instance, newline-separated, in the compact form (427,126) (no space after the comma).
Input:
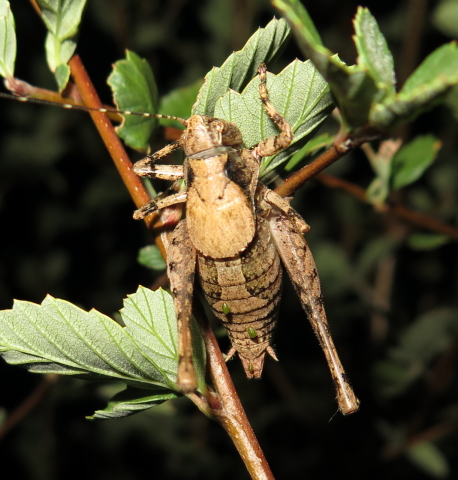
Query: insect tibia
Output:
(146,167)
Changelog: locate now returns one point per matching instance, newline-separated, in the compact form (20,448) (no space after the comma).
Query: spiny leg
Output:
(299,263)
(155,205)
(272,145)
(144,168)
(151,159)
(181,264)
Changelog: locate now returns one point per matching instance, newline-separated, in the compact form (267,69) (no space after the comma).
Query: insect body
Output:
(233,236)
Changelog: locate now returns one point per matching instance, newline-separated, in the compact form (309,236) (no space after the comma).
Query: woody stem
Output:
(113,143)
(227,408)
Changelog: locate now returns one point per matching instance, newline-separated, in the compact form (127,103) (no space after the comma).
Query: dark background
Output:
(66,230)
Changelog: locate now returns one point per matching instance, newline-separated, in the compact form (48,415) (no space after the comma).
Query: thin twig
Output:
(431,434)
(416,218)
(160,282)
(343,143)
(296,180)
(227,408)
(36,7)
(113,143)
(28,404)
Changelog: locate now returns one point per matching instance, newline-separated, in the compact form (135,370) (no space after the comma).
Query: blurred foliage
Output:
(390,290)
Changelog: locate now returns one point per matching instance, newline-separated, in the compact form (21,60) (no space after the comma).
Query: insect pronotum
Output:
(235,232)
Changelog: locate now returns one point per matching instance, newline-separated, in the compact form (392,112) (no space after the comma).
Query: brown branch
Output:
(226,408)
(161,282)
(36,7)
(343,143)
(113,143)
(416,218)
(296,180)
(28,404)
(431,434)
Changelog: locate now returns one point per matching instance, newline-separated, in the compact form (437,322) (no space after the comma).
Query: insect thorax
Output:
(204,132)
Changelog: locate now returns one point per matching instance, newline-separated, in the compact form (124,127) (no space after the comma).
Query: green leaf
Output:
(133,400)
(424,89)
(445,17)
(365,92)
(429,335)
(373,51)
(299,18)
(62,19)
(298,92)
(392,379)
(411,160)
(381,162)
(62,75)
(311,147)
(427,457)
(378,191)
(7,40)
(151,257)
(353,87)
(441,66)
(241,66)
(151,322)
(58,337)
(134,89)
(334,267)
(178,103)
(372,252)
(427,241)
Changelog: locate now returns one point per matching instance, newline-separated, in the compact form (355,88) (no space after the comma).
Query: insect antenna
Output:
(71,106)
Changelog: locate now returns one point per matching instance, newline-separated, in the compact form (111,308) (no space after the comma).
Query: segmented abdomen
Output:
(244,293)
